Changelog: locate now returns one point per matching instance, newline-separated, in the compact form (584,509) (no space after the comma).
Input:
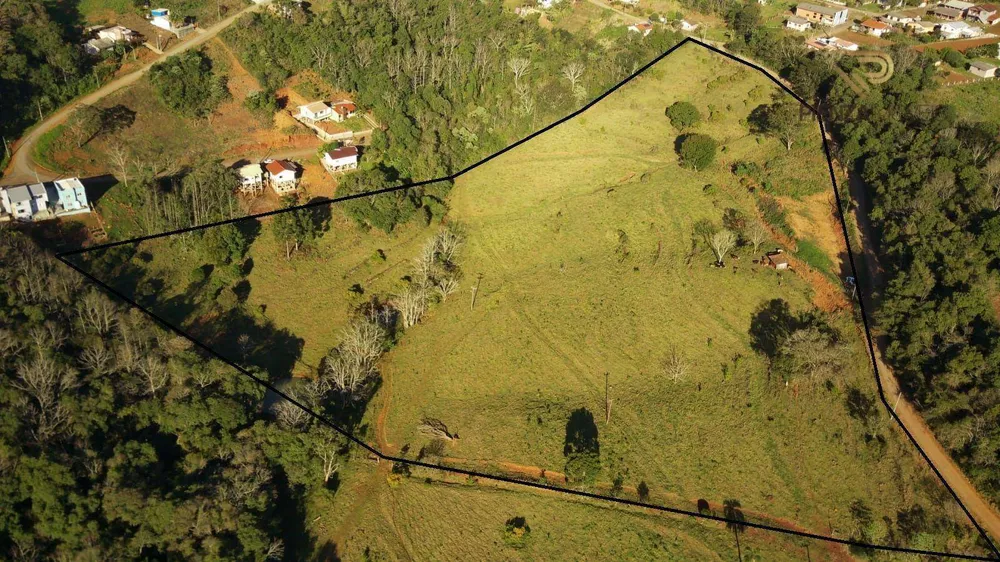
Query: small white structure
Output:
(983,69)
(94,47)
(547,4)
(118,34)
(643,28)
(160,17)
(343,110)
(798,24)
(315,111)
(251,179)
(281,175)
(688,26)
(341,159)
(831,44)
(958,29)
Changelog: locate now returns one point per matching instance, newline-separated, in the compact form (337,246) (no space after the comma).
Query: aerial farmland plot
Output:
(617,305)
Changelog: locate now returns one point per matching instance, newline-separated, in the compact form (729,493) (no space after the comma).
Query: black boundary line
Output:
(451,177)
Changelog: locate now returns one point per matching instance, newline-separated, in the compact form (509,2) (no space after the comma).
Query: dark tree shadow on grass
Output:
(770,324)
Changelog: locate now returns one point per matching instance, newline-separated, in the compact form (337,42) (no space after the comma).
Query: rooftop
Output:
(18,193)
(342,152)
(250,171)
(825,10)
(872,24)
(278,166)
(982,65)
(315,106)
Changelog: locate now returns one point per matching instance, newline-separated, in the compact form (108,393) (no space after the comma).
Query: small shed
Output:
(983,69)
(776,259)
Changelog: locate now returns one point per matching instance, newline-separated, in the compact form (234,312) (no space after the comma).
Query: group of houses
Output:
(43,200)
(280,175)
(104,38)
(318,116)
(954,19)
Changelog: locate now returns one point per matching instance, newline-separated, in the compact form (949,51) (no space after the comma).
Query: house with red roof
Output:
(282,175)
(341,159)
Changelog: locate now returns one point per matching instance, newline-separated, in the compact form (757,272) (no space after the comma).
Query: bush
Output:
(186,84)
(516,532)
(683,115)
(774,214)
(743,169)
(954,58)
(262,104)
(697,151)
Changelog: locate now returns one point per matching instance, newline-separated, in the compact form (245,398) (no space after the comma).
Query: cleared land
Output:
(580,244)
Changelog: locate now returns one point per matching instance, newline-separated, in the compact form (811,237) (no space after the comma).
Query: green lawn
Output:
(974,102)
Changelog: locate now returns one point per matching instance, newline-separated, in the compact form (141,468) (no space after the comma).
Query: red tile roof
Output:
(872,24)
(343,152)
(345,107)
(277,166)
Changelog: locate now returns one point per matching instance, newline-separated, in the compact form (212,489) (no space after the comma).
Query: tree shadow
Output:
(581,433)
(289,514)
(770,324)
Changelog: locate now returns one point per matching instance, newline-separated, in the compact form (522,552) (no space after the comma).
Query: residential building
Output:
(920,27)
(900,18)
(688,26)
(42,201)
(94,46)
(797,23)
(947,14)
(876,28)
(983,69)
(959,5)
(985,14)
(118,34)
(343,110)
(251,179)
(547,4)
(823,15)
(644,28)
(958,29)
(68,197)
(315,111)
(341,159)
(282,175)
(160,17)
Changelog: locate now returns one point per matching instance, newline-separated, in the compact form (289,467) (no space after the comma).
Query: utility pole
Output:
(607,399)
(475,291)
(898,396)
(6,148)
(38,103)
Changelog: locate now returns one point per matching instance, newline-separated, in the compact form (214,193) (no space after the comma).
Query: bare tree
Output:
(289,414)
(992,171)
(424,264)
(96,312)
(275,550)
(446,286)
(352,363)
(721,242)
(527,102)
(675,366)
(120,157)
(756,233)
(412,304)
(573,72)
(321,55)
(98,359)
(44,382)
(520,67)
(327,448)
(448,242)
(154,372)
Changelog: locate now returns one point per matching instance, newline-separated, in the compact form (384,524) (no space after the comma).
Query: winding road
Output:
(22,167)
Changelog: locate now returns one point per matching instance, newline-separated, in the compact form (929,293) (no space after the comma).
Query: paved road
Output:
(983,512)
(23,169)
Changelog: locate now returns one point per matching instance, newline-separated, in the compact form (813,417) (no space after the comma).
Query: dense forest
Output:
(41,67)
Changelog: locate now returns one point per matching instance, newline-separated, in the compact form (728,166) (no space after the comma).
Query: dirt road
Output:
(982,511)
(23,169)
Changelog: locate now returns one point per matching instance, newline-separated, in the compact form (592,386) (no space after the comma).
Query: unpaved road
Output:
(22,169)
(982,511)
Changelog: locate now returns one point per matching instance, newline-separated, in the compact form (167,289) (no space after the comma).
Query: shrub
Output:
(262,104)
(743,169)
(186,84)
(697,151)
(516,532)
(683,115)
(774,214)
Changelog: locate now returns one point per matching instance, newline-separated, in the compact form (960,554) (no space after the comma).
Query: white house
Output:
(341,159)
(956,29)
(797,23)
(546,4)
(282,176)
(69,197)
(160,17)
(983,69)
(251,179)
(644,28)
(315,111)
(16,202)
(118,34)
(688,26)
(343,110)
(875,27)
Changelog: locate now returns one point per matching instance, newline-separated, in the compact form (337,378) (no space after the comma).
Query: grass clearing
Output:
(579,248)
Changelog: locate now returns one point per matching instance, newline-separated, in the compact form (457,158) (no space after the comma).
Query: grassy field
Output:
(447,520)
(974,102)
(580,248)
